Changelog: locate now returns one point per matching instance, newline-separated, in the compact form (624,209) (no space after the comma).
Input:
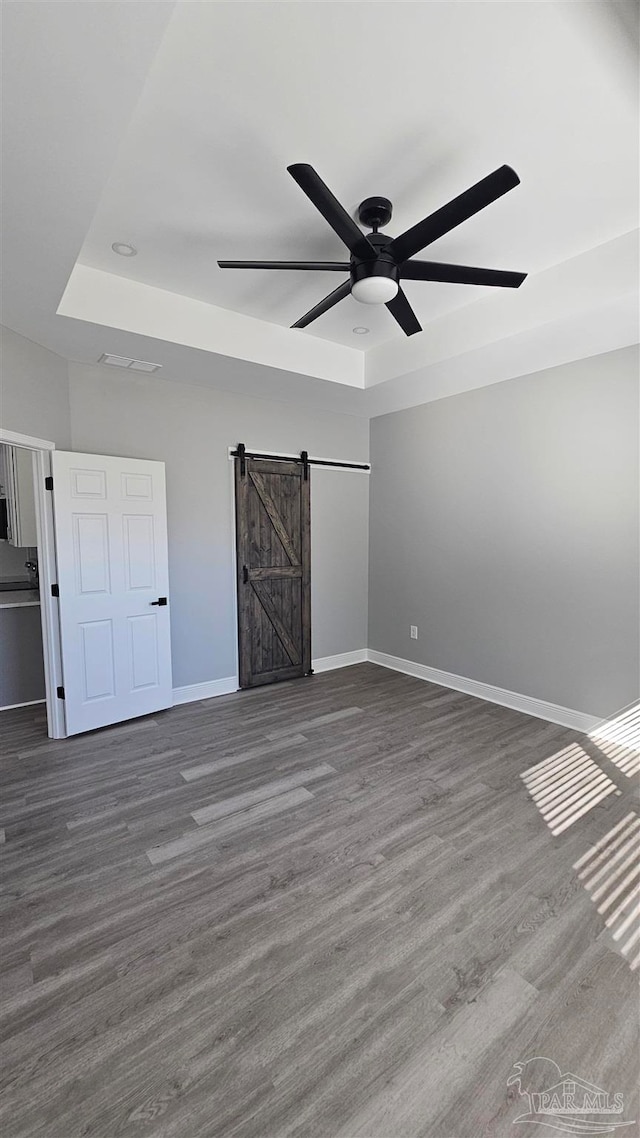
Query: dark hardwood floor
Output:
(344,906)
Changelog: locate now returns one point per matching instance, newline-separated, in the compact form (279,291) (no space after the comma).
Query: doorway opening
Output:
(21,654)
(101,536)
(30,668)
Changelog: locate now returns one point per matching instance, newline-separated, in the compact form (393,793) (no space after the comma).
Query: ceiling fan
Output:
(379,263)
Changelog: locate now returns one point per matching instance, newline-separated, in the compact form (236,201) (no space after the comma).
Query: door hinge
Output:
(48,482)
(60,693)
(55,590)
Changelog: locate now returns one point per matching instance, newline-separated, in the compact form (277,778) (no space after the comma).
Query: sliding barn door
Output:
(274,574)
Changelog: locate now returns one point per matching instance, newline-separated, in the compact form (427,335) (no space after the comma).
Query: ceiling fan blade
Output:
(459,274)
(400,308)
(452,214)
(321,266)
(339,220)
(338,294)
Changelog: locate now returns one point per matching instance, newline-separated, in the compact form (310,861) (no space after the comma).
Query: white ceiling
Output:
(172,127)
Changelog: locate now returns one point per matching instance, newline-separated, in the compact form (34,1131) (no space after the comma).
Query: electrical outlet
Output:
(414,632)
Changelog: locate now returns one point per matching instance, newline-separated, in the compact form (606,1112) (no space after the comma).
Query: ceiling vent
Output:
(130,365)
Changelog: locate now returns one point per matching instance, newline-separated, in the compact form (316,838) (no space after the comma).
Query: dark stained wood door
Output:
(274,571)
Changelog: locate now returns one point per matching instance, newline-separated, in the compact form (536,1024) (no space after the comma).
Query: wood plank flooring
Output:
(343,906)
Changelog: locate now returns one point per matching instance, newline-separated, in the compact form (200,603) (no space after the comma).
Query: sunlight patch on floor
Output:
(566,786)
(610,872)
(619,740)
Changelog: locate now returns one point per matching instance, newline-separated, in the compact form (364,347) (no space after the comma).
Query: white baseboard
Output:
(212,688)
(29,703)
(540,708)
(343,660)
(208,690)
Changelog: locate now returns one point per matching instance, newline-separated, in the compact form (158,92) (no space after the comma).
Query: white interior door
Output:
(111,543)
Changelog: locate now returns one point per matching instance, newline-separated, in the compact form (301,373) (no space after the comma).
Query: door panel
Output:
(143,647)
(97,664)
(139,551)
(137,486)
(111,543)
(88,483)
(274,580)
(91,548)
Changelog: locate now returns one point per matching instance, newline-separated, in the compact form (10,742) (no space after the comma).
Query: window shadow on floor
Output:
(567,786)
(619,740)
(610,872)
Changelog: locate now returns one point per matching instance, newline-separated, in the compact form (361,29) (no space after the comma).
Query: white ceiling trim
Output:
(576,298)
(581,284)
(589,333)
(116,302)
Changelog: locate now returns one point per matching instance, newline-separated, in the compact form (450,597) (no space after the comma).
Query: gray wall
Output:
(34,390)
(504,524)
(190,429)
(504,521)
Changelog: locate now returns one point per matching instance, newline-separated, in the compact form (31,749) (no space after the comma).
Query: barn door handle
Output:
(160,601)
(245,574)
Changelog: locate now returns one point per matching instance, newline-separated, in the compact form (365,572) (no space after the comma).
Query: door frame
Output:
(47,571)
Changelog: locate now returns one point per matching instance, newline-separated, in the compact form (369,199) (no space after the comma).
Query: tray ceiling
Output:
(207,104)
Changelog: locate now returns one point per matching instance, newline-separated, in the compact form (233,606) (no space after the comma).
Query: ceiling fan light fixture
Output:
(374,290)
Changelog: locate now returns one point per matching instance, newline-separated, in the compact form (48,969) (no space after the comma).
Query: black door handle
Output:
(160,601)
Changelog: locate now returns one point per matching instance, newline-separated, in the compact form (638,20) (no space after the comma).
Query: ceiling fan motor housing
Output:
(381,267)
(375,280)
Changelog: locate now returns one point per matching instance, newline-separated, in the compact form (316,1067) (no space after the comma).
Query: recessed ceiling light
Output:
(360,331)
(123,249)
(126,362)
